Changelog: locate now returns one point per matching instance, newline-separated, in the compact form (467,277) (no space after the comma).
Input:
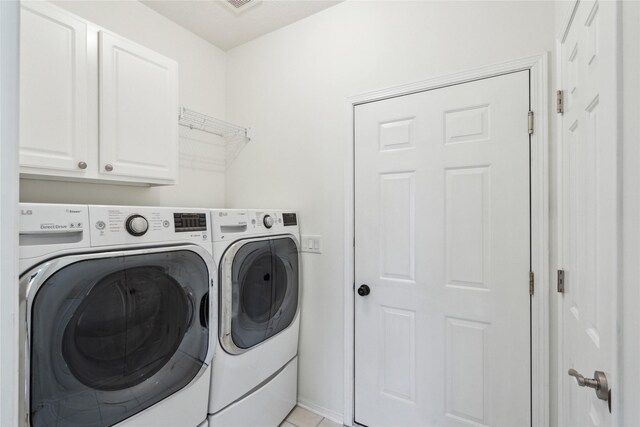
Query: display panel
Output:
(289,219)
(190,222)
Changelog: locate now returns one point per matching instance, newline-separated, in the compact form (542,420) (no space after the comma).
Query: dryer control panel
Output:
(231,224)
(115,225)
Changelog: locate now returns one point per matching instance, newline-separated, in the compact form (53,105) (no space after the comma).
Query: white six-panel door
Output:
(589,210)
(442,240)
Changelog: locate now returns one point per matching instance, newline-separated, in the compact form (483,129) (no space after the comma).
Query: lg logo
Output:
(26,212)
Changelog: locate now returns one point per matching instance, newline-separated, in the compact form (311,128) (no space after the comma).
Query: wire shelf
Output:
(234,137)
(199,121)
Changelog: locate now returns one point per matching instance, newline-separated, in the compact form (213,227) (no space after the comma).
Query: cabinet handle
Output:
(82,165)
(108,167)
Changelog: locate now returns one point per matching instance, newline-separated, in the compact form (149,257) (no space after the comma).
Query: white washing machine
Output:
(254,375)
(118,315)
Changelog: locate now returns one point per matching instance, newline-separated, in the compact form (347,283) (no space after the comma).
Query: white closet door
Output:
(53,90)
(442,241)
(138,111)
(590,212)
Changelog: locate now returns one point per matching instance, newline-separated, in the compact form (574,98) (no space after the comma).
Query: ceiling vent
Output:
(240,6)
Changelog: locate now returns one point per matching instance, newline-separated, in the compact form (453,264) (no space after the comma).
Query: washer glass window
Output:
(112,336)
(264,280)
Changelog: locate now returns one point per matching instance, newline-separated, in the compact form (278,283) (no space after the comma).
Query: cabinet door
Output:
(138,111)
(53,91)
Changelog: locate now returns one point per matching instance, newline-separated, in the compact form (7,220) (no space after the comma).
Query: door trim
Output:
(9,211)
(572,7)
(537,65)
(628,294)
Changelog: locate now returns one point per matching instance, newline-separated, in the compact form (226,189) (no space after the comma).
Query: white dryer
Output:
(254,375)
(118,315)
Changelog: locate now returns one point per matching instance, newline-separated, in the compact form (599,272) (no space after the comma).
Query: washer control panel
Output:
(49,228)
(190,222)
(289,219)
(114,225)
(137,225)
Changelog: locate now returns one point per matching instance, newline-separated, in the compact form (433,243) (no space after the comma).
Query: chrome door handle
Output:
(598,383)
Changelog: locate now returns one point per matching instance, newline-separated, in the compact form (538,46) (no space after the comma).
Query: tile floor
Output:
(300,417)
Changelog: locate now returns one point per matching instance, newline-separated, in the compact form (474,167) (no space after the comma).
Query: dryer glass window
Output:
(113,336)
(264,290)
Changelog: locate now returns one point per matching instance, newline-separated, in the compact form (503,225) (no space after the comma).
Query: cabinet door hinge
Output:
(560,102)
(530,122)
(531,283)
(561,281)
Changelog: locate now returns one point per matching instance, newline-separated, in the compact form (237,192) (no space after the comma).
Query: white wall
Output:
(629,370)
(9,12)
(202,87)
(291,87)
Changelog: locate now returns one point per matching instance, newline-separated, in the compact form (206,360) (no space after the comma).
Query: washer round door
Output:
(259,291)
(112,335)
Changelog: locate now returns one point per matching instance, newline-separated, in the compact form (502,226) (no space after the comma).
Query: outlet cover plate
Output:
(311,244)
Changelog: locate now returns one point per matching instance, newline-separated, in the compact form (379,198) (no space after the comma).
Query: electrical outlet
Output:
(311,244)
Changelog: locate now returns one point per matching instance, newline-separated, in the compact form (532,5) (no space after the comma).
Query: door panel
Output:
(442,240)
(138,110)
(589,209)
(53,89)
(397,203)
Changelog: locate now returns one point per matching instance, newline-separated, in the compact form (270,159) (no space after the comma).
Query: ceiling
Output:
(219,24)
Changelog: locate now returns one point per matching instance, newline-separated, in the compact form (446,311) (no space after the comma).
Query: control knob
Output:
(136,225)
(267,221)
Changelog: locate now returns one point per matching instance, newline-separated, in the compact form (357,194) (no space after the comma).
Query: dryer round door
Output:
(259,285)
(112,334)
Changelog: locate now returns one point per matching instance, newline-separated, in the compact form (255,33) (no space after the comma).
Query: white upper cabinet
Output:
(53,90)
(138,108)
(94,106)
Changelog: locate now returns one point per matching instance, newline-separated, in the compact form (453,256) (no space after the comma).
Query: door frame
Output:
(628,293)
(9,112)
(537,65)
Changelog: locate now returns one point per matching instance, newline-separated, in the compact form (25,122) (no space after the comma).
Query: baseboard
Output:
(336,417)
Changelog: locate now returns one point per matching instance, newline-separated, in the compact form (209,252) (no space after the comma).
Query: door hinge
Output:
(531,283)
(560,102)
(561,281)
(530,122)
